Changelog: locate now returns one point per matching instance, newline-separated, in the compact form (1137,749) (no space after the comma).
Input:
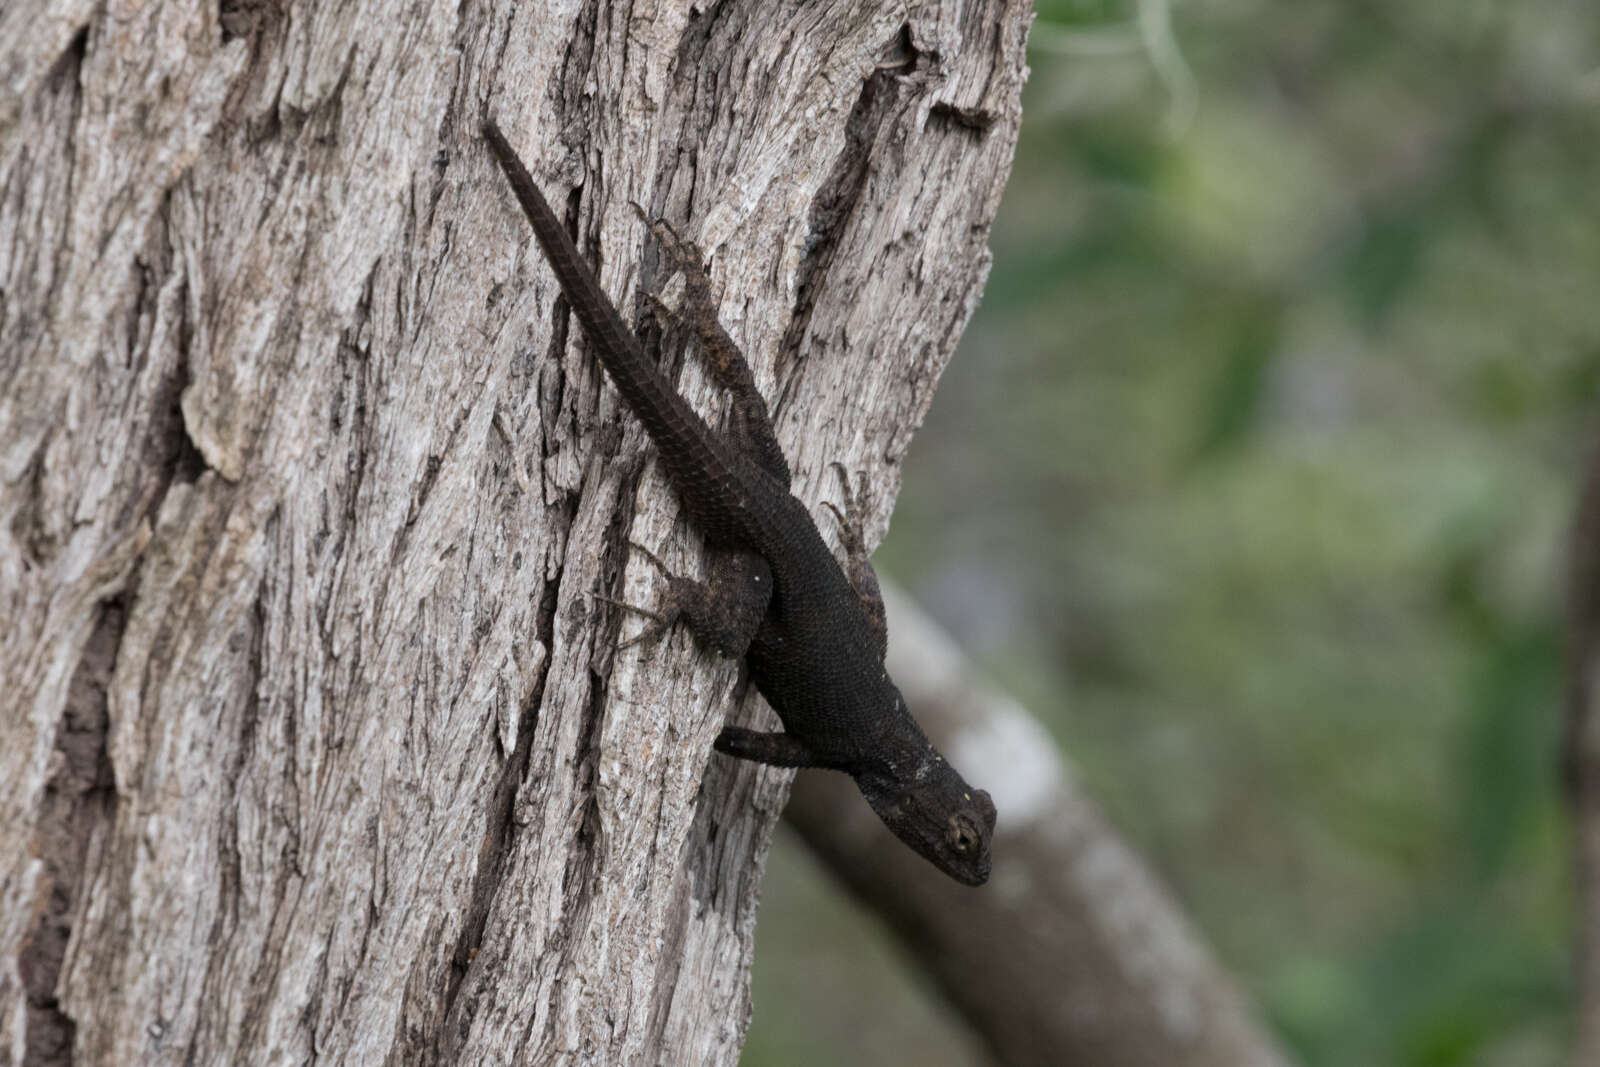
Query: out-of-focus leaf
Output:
(1441,988)
(1385,262)
(1021,282)
(1233,408)
(1510,750)
(1112,154)
(1580,385)
(1311,1003)
(1085,12)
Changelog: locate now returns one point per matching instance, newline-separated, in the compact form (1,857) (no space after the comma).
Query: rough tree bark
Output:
(313,742)
(1073,956)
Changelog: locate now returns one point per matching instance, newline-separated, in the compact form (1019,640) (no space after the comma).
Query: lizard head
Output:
(939,815)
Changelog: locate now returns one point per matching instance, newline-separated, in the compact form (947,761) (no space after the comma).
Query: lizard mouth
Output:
(976,875)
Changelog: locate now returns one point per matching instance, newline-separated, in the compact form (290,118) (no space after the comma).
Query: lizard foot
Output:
(661,622)
(684,253)
(857,503)
(652,559)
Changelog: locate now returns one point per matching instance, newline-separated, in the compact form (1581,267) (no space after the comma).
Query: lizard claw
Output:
(648,636)
(684,253)
(625,606)
(652,559)
(684,257)
(662,309)
(857,502)
(659,228)
(861,493)
(660,623)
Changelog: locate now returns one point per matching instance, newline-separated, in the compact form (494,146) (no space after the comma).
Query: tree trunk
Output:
(314,742)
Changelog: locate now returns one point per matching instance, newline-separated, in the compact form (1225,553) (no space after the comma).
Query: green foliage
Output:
(1510,739)
(1385,263)
(1234,406)
(1252,477)
(1085,12)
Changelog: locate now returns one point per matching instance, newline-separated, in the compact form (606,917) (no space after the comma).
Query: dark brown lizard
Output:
(812,637)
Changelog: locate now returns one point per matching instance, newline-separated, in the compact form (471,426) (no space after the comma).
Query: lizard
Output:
(813,638)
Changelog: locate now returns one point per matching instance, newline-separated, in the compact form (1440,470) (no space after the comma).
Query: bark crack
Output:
(975,121)
(65,77)
(838,195)
(230,860)
(79,800)
(456,1013)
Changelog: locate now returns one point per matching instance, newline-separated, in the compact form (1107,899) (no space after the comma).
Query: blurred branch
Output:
(1073,954)
(1583,752)
(1153,35)
(1046,36)
(1155,26)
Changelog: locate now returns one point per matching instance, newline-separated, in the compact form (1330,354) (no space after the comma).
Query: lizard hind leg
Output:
(750,426)
(723,612)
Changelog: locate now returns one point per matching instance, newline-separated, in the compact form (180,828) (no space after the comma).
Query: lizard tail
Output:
(703,469)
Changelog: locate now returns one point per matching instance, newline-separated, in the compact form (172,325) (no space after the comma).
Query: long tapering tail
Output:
(705,472)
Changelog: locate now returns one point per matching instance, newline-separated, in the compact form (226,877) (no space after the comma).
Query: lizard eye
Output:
(963,836)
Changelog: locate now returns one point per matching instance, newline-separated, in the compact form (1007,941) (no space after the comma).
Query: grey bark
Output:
(314,744)
(1073,955)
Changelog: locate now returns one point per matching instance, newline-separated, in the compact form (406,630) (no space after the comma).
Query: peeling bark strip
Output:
(303,487)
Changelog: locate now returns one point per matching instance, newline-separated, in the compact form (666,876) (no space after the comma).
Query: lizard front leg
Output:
(776,749)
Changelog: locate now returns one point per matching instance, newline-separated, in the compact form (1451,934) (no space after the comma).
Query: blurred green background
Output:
(1251,478)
